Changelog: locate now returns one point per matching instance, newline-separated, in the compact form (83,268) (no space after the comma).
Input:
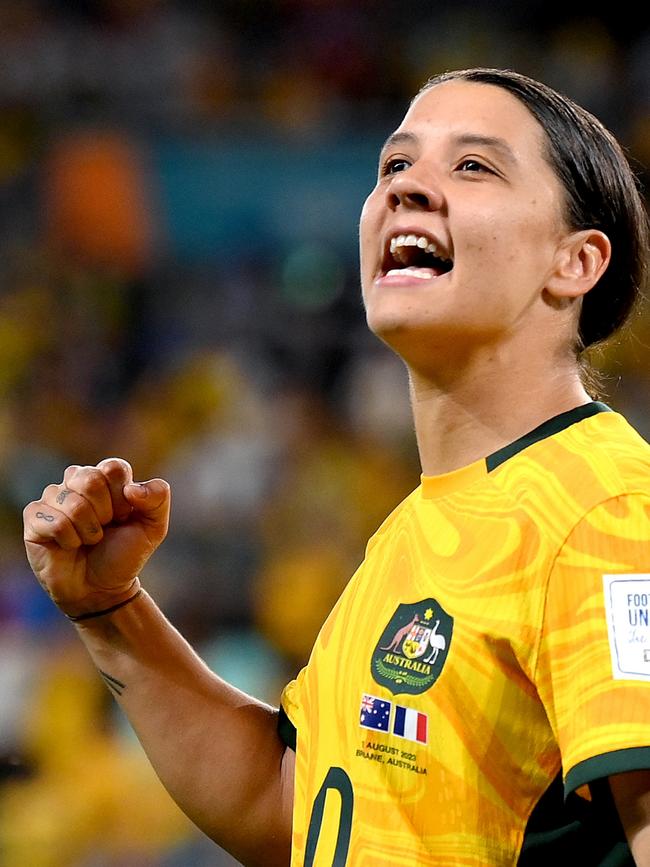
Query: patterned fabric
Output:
(479,616)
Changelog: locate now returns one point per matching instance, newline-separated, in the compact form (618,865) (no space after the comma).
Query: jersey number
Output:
(337,779)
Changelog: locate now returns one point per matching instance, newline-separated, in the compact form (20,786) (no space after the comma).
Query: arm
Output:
(214,748)
(631,793)
(600,711)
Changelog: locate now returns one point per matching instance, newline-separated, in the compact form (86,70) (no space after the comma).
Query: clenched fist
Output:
(88,537)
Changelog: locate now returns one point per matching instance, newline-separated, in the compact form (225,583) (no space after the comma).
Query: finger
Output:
(44,524)
(77,509)
(118,473)
(91,484)
(152,501)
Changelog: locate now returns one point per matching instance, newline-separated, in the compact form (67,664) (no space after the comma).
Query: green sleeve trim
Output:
(287,730)
(616,762)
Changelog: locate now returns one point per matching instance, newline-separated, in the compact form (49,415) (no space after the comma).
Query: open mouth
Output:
(416,256)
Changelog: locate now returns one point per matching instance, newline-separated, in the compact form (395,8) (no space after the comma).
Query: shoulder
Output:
(399,513)
(566,476)
(614,451)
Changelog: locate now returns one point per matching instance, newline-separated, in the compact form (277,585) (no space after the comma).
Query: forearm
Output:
(631,791)
(640,848)
(215,749)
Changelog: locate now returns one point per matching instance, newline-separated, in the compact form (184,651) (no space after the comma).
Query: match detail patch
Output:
(627,606)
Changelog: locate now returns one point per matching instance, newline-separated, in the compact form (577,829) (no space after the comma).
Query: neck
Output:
(483,407)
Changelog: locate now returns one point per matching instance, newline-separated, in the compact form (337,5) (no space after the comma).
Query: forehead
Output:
(457,108)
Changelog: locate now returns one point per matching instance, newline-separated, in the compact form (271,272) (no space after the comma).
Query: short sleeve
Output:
(290,717)
(600,715)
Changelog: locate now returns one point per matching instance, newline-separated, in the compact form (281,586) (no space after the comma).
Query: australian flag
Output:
(374,713)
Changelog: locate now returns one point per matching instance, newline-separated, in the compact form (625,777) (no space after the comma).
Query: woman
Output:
(489,652)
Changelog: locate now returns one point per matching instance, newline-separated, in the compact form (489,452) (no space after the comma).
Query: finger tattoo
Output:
(48,518)
(62,495)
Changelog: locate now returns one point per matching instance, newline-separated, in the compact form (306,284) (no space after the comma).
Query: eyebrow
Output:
(498,144)
(397,138)
(468,138)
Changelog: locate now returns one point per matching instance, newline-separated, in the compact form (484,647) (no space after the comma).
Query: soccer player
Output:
(480,693)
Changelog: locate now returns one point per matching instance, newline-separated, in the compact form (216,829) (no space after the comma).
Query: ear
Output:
(580,262)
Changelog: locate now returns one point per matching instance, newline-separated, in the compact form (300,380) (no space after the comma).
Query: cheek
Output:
(486,246)
(504,239)
(369,230)
(482,228)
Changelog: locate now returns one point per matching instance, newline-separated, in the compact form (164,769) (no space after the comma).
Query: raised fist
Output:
(88,538)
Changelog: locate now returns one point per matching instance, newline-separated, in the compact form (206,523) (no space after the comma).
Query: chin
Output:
(398,334)
(424,346)
(383,325)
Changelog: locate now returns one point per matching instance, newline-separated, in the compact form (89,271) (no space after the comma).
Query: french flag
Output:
(410,724)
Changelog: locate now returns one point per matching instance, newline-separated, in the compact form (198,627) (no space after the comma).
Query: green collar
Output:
(546,429)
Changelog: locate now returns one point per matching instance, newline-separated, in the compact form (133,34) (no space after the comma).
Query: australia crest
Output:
(413,647)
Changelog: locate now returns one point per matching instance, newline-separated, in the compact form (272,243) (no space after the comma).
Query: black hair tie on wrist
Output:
(90,614)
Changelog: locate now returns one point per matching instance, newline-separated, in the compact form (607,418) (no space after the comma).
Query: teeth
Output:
(422,273)
(413,241)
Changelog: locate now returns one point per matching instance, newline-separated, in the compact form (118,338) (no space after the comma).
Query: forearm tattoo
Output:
(112,683)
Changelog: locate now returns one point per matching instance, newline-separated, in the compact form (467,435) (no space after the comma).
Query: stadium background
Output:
(179,191)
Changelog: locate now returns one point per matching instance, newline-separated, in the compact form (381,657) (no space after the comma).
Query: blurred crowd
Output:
(179,191)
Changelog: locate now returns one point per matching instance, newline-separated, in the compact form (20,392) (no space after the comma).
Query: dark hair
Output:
(601,189)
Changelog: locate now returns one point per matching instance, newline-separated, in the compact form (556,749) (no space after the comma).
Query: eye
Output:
(470,165)
(395,165)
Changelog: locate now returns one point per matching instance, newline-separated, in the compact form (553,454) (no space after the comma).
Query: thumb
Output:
(151,500)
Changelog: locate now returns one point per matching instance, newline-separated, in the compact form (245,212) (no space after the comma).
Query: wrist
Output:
(103,603)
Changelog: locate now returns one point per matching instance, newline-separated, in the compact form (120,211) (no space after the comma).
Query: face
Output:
(462,230)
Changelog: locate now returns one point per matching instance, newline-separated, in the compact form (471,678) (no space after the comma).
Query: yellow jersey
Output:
(488,665)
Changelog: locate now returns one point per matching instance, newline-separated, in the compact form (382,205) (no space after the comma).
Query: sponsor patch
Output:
(627,607)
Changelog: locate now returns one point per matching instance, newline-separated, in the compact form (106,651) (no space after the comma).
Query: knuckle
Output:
(114,467)
(163,487)
(71,471)
(93,480)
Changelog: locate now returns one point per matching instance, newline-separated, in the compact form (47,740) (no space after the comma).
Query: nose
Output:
(410,190)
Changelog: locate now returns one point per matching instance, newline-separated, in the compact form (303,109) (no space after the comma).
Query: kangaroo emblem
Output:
(401,634)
